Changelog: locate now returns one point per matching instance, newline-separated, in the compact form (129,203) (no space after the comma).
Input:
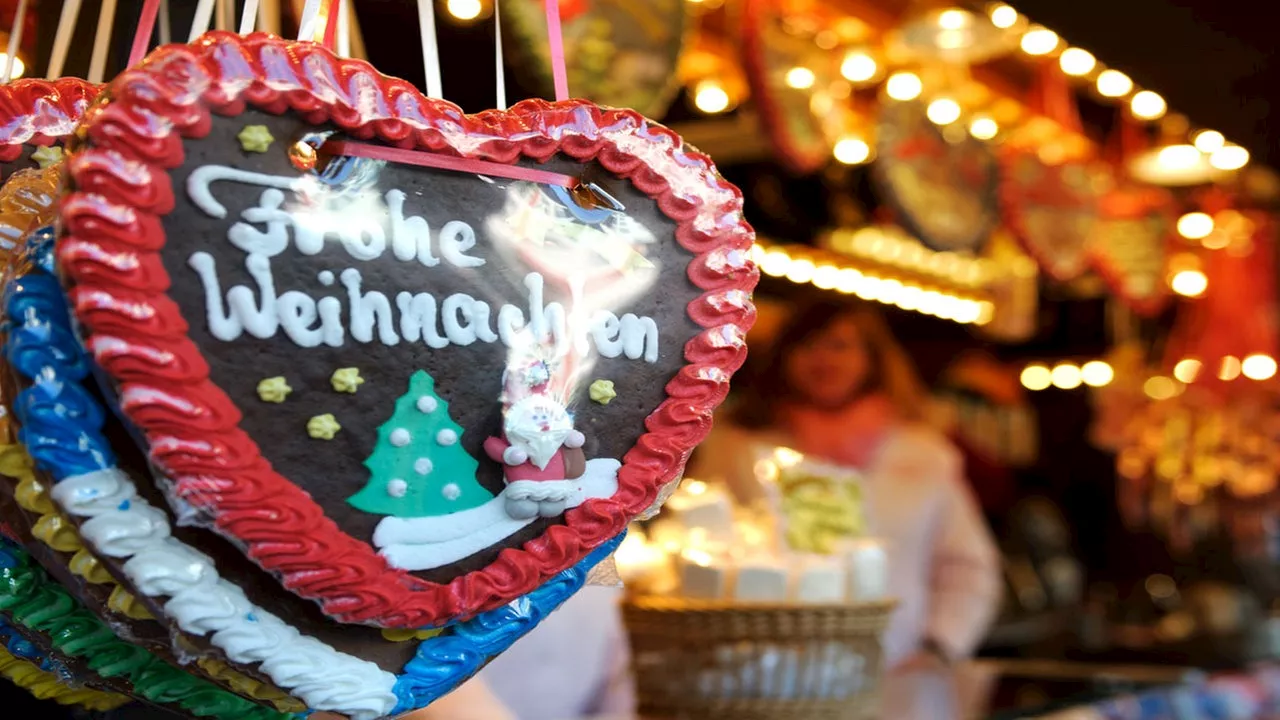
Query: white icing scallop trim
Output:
(124,526)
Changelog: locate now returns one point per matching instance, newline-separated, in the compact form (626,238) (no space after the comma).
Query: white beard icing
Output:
(264,311)
(538,425)
(202,603)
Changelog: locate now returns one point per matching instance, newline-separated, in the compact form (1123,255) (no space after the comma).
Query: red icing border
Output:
(38,112)
(111,255)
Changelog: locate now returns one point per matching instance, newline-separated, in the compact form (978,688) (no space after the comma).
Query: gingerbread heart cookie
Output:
(376,342)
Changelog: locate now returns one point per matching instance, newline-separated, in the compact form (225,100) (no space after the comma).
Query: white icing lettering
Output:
(367,309)
(418,319)
(297,315)
(331,321)
(456,238)
(410,237)
(456,319)
(510,323)
(639,338)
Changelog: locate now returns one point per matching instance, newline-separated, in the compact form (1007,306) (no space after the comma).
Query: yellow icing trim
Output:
(44,685)
(247,686)
(123,602)
(58,533)
(401,635)
(84,564)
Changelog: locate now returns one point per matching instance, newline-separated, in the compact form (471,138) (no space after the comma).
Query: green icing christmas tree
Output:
(418,466)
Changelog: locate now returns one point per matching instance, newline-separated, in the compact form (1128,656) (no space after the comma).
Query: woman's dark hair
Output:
(764,385)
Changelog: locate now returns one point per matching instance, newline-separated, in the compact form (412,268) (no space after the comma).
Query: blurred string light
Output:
(852,151)
(1230,369)
(1036,377)
(1077,62)
(464,9)
(19,67)
(1195,225)
(1114,84)
(1258,367)
(1187,370)
(1161,388)
(800,78)
(710,97)
(1003,16)
(1039,41)
(983,127)
(943,111)
(1229,157)
(828,274)
(858,67)
(1067,375)
(1147,105)
(903,86)
(1209,141)
(1097,373)
(1189,283)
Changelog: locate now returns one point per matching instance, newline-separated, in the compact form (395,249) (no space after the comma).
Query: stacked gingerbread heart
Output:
(319,393)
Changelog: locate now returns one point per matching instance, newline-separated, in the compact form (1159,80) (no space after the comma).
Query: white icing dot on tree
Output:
(451,491)
(427,404)
(397,488)
(422,466)
(445,437)
(400,437)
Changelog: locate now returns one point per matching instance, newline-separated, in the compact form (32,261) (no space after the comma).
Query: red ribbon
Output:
(142,37)
(331,24)
(449,162)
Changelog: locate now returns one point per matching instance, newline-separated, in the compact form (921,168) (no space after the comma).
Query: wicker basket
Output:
(712,661)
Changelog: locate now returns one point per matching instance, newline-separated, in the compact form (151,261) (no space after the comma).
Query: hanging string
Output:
(15,40)
(102,42)
(200,24)
(310,18)
(331,23)
(62,40)
(249,16)
(165,35)
(142,36)
(430,48)
(449,162)
(344,31)
(225,14)
(499,63)
(555,40)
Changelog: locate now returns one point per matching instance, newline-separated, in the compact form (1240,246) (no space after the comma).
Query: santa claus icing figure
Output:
(540,451)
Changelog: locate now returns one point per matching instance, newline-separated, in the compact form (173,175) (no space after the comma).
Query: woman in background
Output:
(837,387)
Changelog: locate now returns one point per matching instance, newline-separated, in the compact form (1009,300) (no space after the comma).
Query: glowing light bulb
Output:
(1230,369)
(943,111)
(1077,62)
(904,86)
(19,67)
(1160,388)
(1003,16)
(1229,157)
(775,263)
(953,19)
(1147,105)
(1039,41)
(1189,283)
(710,97)
(852,151)
(858,67)
(801,271)
(1258,367)
(1114,84)
(1036,377)
(1209,141)
(1178,157)
(1097,373)
(983,127)
(1195,225)
(465,9)
(1066,376)
(1187,370)
(800,78)
(826,277)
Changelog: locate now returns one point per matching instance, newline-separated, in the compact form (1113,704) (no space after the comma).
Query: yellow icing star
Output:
(602,391)
(274,389)
(255,138)
(47,156)
(346,380)
(323,427)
